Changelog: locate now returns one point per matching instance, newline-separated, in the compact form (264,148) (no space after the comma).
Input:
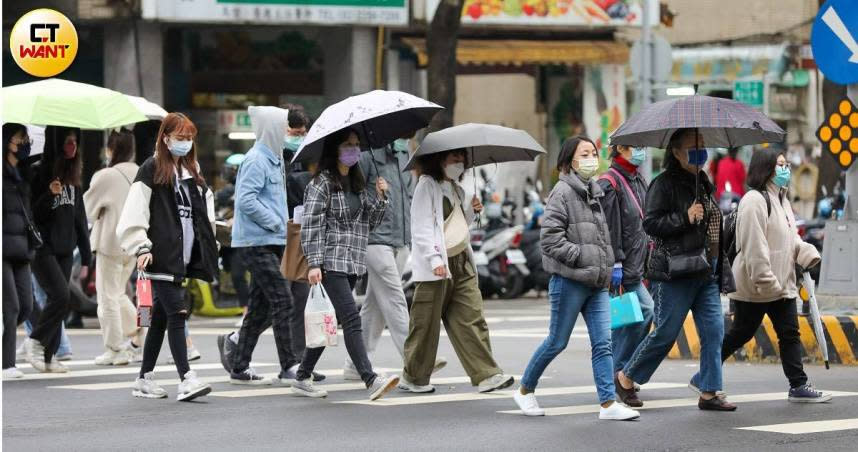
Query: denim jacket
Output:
(260,200)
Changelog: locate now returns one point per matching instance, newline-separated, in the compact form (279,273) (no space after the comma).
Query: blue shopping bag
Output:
(625,310)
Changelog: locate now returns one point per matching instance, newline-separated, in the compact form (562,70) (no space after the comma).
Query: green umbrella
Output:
(57,102)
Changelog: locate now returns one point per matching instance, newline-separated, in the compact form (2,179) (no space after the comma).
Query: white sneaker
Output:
(147,388)
(56,367)
(12,373)
(306,388)
(193,355)
(36,357)
(496,382)
(528,404)
(112,358)
(440,363)
(618,412)
(135,354)
(349,372)
(381,386)
(408,386)
(191,387)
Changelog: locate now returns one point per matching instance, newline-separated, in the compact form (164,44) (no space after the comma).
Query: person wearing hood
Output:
(576,250)
(259,235)
(60,216)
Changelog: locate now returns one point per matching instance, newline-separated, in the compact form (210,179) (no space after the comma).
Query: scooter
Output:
(530,242)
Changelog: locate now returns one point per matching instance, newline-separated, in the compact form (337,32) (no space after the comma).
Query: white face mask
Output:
(454,170)
(587,167)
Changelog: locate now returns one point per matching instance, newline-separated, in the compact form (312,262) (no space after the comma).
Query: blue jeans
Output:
(673,300)
(569,298)
(625,340)
(40,297)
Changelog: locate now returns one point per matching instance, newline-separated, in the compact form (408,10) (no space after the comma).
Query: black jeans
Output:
(784,317)
(300,291)
(169,313)
(17,305)
(339,288)
(52,273)
(270,303)
(234,264)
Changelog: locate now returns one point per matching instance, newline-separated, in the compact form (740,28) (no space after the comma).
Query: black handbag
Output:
(688,264)
(33,234)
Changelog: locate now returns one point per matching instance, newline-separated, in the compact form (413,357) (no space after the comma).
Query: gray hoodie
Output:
(269,126)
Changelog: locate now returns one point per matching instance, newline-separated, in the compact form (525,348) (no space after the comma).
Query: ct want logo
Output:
(43,42)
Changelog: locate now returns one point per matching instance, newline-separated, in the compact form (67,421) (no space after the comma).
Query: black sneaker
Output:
(249,377)
(806,394)
(225,348)
(318,377)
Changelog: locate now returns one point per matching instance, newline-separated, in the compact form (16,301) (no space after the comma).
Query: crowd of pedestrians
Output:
(361,215)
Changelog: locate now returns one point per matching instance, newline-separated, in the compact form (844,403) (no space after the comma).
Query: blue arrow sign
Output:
(833,40)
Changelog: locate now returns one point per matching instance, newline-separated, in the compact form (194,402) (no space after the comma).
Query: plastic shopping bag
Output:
(144,300)
(320,319)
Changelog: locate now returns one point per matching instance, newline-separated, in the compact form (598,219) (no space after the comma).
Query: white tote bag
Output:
(320,319)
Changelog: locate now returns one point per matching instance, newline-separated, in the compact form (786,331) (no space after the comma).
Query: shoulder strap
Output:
(629,190)
(765,195)
(123,175)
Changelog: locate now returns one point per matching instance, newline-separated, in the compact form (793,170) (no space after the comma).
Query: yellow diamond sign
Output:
(839,133)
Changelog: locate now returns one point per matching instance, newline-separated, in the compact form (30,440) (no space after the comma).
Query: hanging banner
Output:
(321,12)
(591,13)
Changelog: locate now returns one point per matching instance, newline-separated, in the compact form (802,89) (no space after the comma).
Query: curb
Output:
(841,334)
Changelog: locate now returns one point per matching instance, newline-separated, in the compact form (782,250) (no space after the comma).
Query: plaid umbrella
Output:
(721,122)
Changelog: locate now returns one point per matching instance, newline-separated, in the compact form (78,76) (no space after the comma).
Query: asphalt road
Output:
(91,408)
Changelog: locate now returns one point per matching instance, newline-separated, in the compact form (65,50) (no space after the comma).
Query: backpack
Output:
(728,237)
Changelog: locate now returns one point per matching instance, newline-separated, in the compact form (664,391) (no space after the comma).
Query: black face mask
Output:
(23,151)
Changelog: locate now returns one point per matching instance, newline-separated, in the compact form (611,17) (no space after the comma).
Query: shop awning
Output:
(523,52)
(727,64)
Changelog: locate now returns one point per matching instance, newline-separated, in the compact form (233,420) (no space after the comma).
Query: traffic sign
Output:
(833,40)
(749,92)
(839,133)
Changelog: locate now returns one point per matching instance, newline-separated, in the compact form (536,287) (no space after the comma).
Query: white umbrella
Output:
(815,317)
(487,143)
(149,109)
(379,117)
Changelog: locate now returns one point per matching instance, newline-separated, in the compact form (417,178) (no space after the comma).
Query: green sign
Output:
(749,92)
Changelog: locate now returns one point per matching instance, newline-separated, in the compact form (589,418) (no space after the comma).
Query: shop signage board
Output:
(749,92)
(320,12)
(834,41)
(590,13)
(234,121)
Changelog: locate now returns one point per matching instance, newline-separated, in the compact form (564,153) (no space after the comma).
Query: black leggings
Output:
(52,273)
(168,314)
(17,305)
(234,264)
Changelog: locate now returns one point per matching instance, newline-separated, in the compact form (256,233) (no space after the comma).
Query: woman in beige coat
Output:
(769,248)
(104,200)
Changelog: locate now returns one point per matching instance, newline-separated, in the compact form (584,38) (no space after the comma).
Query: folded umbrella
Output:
(487,143)
(379,117)
(816,317)
(57,102)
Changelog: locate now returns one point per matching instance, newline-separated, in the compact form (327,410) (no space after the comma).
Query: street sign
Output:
(839,133)
(749,92)
(662,59)
(833,40)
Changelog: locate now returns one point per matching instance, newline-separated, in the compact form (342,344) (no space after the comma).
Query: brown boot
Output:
(627,396)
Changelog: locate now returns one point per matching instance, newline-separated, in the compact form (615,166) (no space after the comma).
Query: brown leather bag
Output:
(294,265)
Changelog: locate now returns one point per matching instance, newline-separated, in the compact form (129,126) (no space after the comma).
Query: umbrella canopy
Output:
(57,102)
(488,143)
(151,110)
(721,122)
(379,117)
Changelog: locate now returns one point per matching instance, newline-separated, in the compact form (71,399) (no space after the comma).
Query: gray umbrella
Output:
(486,144)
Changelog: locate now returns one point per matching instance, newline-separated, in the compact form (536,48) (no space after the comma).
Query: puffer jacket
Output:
(667,202)
(625,220)
(16,198)
(575,240)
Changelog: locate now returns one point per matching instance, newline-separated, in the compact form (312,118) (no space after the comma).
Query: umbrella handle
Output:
(474,169)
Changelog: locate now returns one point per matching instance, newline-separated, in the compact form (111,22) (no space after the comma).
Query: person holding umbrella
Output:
(769,248)
(685,222)
(60,215)
(576,250)
(338,216)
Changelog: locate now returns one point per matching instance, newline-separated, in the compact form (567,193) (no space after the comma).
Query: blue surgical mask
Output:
(400,145)
(180,148)
(292,142)
(638,156)
(782,176)
(698,157)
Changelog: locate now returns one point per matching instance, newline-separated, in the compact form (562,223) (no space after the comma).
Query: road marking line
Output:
(335,387)
(72,363)
(220,331)
(124,370)
(470,396)
(673,403)
(800,428)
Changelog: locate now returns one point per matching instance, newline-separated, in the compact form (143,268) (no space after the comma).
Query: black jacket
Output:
(16,198)
(667,202)
(296,183)
(628,239)
(150,223)
(61,219)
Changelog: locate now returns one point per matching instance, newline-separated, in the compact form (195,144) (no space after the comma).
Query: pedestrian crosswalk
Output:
(800,428)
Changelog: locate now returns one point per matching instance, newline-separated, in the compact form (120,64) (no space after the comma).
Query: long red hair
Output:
(164,165)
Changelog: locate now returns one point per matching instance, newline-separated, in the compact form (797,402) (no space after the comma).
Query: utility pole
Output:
(645,80)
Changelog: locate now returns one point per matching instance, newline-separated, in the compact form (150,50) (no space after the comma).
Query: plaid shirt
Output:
(332,237)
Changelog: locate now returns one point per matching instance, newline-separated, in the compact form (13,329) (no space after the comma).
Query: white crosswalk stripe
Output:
(123,370)
(333,387)
(800,428)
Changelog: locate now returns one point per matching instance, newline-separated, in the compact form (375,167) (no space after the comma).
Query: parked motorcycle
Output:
(530,242)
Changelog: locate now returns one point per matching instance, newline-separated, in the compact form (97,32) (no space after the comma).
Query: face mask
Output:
(180,148)
(69,150)
(698,157)
(349,155)
(782,176)
(23,151)
(292,142)
(587,167)
(638,156)
(400,145)
(454,170)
